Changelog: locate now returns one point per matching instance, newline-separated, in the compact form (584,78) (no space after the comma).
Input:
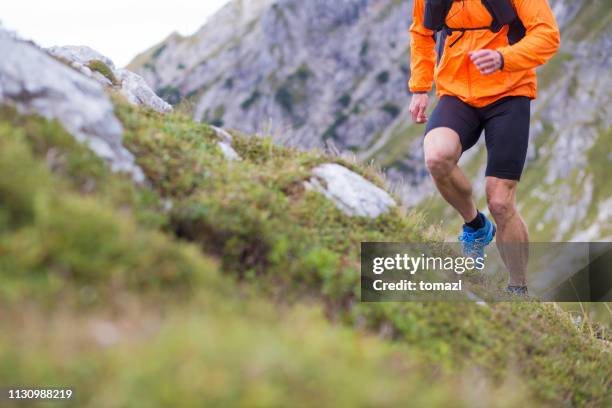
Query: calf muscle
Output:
(512,235)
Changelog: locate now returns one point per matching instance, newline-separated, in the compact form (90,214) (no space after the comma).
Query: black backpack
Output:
(502,11)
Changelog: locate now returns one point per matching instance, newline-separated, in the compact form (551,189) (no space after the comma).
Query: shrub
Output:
(247,103)
(170,94)
(392,109)
(345,100)
(383,77)
(285,99)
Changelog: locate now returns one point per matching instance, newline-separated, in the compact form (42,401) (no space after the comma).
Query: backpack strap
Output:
(502,11)
(435,13)
(503,14)
(516,32)
(449,30)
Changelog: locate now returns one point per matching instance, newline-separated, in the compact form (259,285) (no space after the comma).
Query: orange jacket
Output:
(456,74)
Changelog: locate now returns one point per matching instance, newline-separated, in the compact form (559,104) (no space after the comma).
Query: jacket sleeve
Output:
(422,52)
(541,40)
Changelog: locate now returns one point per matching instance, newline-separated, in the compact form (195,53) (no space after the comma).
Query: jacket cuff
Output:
(504,56)
(419,89)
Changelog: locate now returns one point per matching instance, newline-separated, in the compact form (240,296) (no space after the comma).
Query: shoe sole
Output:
(488,242)
(493,235)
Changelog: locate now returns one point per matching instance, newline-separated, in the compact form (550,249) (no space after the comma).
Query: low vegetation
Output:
(225,283)
(100,67)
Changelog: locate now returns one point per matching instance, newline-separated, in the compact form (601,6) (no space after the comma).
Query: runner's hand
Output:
(418,107)
(487,61)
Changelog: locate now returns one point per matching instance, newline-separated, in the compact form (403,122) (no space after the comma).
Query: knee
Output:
(501,198)
(439,163)
(501,207)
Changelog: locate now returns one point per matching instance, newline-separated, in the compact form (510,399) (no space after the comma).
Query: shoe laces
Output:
(468,237)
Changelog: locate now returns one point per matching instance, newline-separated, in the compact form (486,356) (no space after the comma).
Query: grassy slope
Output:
(130,314)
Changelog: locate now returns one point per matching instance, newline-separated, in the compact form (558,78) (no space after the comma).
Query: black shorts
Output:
(506,126)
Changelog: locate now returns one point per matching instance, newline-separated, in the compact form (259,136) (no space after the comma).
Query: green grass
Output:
(82,257)
(293,243)
(81,232)
(397,147)
(599,159)
(239,321)
(102,68)
(232,353)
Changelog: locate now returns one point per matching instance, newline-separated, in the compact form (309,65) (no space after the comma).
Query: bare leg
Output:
(442,152)
(512,235)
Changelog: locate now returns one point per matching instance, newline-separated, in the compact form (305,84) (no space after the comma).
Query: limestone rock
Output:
(79,54)
(137,92)
(352,194)
(131,85)
(34,82)
(226,144)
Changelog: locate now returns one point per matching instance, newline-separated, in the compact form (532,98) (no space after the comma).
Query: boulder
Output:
(132,86)
(225,144)
(137,92)
(350,192)
(228,151)
(34,82)
(79,54)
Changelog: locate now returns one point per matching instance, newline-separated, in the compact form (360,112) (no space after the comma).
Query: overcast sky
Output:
(119,29)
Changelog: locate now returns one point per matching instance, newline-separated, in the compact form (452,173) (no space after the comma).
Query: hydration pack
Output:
(502,11)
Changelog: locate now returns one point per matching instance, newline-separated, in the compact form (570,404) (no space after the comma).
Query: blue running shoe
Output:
(475,241)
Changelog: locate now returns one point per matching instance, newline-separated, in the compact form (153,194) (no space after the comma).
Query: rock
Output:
(98,77)
(79,55)
(223,134)
(137,92)
(226,144)
(352,194)
(34,82)
(228,151)
(132,86)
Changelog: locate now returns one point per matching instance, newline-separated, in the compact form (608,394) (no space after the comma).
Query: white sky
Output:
(119,29)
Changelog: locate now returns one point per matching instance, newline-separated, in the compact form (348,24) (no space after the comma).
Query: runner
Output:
(485,77)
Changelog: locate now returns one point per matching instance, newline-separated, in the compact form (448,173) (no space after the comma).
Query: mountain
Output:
(333,74)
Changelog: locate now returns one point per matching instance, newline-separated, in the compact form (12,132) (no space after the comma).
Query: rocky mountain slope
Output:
(199,285)
(315,72)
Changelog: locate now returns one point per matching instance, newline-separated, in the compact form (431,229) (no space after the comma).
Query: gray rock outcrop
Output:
(132,86)
(350,192)
(225,144)
(137,92)
(79,54)
(34,82)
